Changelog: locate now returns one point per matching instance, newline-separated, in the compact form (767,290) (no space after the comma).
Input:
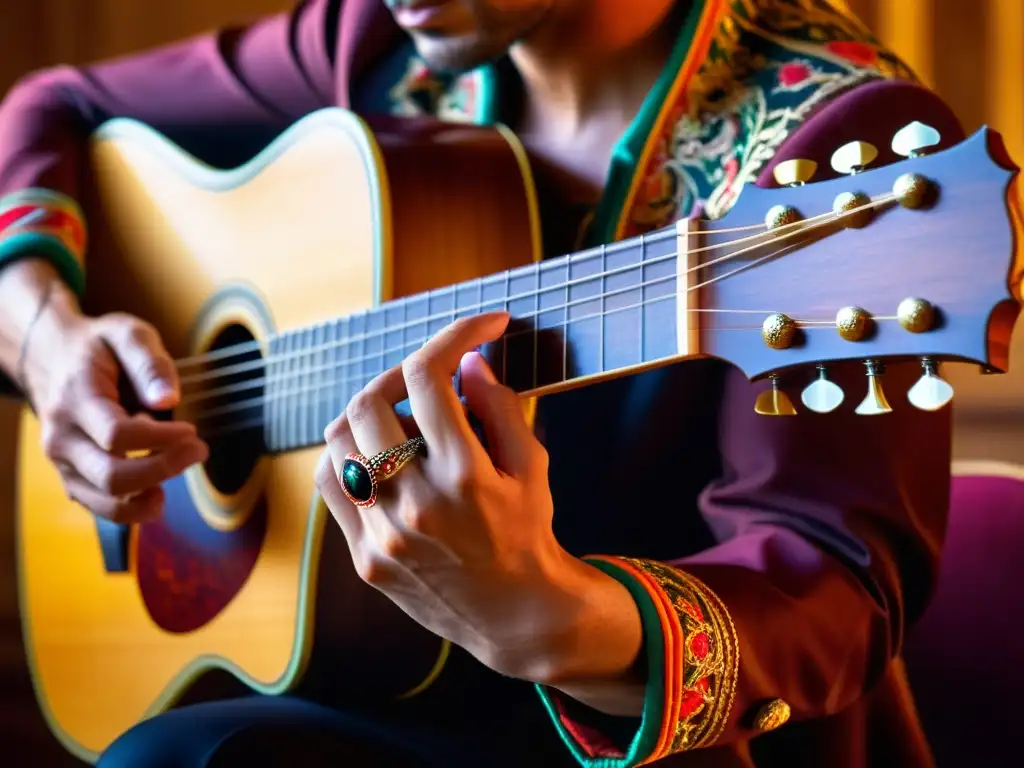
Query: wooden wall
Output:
(971,52)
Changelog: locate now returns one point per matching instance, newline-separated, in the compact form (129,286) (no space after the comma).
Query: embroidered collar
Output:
(742,76)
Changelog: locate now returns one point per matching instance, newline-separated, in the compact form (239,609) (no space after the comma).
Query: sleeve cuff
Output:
(693,663)
(42,222)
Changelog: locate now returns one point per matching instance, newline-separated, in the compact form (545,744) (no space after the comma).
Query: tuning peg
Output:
(931,391)
(774,402)
(854,157)
(914,139)
(874,402)
(795,173)
(822,395)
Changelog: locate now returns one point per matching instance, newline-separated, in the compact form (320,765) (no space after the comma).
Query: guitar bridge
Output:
(113,545)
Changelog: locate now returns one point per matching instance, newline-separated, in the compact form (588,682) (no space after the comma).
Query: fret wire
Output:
(353,324)
(321,416)
(282,371)
(300,422)
(297,422)
(480,294)
(480,301)
(536,319)
(604,290)
(331,405)
(504,343)
(312,414)
(302,340)
(643,279)
(290,370)
(313,405)
(350,349)
(565,321)
(283,409)
(270,408)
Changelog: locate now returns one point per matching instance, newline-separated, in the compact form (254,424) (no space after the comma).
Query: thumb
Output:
(500,410)
(145,361)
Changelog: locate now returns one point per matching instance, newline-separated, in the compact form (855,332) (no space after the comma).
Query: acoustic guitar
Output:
(284,285)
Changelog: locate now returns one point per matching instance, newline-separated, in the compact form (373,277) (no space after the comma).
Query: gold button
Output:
(773,714)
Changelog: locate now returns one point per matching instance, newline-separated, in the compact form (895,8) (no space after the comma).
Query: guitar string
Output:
(305,371)
(259,421)
(584,256)
(790,229)
(225,372)
(379,355)
(334,382)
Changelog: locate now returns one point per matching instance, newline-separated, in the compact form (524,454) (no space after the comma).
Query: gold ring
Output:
(361,477)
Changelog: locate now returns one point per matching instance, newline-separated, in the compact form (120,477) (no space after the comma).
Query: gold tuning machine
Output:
(931,391)
(822,395)
(774,402)
(914,139)
(794,173)
(874,403)
(854,157)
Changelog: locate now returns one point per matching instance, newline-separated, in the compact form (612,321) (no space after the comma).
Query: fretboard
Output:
(588,314)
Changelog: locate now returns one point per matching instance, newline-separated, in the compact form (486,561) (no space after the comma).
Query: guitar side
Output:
(332,218)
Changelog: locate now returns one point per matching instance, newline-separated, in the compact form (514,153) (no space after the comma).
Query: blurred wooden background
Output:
(972,53)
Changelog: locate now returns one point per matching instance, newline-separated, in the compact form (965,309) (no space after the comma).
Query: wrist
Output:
(23,286)
(594,636)
(44,312)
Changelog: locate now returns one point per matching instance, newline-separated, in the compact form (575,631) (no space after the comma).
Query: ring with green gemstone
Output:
(361,477)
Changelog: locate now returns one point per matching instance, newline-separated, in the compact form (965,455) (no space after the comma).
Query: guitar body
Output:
(243,572)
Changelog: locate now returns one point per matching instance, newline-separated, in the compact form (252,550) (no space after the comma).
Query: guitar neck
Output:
(575,319)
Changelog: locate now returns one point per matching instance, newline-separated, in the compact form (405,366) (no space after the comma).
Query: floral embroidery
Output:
(769,65)
(421,92)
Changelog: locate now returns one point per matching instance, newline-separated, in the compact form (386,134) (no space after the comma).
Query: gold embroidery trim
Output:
(710,676)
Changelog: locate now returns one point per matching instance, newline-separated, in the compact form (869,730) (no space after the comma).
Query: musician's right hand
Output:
(72,368)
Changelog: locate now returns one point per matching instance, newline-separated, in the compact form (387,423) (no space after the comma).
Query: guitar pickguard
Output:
(188,571)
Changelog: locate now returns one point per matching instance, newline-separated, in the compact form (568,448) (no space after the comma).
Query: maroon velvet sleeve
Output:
(255,78)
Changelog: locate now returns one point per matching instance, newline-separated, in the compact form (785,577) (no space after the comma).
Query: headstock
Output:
(919,259)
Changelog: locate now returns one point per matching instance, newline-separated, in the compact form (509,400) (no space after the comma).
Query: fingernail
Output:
(481,363)
(158,391)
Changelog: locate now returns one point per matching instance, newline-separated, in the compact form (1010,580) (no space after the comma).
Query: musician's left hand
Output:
(462,540)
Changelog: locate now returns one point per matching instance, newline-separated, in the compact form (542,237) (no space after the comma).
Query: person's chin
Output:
(451,53)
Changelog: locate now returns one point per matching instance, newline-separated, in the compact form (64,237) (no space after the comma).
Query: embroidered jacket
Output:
(776,563)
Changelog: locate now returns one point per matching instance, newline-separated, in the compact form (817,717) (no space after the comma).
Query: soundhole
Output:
(231,411)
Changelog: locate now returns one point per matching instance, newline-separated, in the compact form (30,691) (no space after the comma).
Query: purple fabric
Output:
(965,658)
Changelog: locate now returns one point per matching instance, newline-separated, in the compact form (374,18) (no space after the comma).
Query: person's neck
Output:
(570,86)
